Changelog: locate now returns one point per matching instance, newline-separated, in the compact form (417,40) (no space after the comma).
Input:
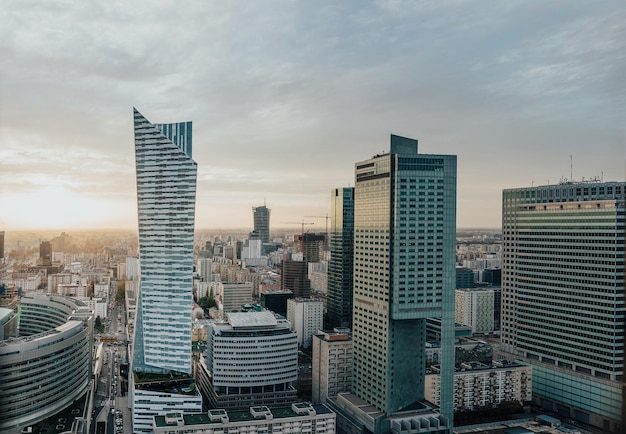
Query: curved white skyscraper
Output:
(166,201)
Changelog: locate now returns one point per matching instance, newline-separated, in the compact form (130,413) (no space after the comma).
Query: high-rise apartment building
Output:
(404,273)
(563,295)
(339,286)
(474,307)
(306,317)
(331,365)
(166,200)
(261,215)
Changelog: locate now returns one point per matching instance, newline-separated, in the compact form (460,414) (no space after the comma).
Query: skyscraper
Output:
(261,215)
(339,292)
(166,200)
(404,273)
(563,295)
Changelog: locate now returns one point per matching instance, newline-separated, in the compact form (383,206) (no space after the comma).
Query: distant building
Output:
(45,253)
(478,386)
(251,359)
(340,264)
(312,246)
(299,418)
(294,278)
(318,275)
(1,245)
(492,276)
(261,217)
(332,365)
(276,301)
(233,295)
(474,307)
(465,278)
(132,268)
(306,317)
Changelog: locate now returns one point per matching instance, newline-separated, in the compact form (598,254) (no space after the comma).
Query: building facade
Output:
(252,359)
(261,217)
(340,264)
(166,200)
(306,317)
(233,295)
(478,386)
(332,365)
(294,278)
(563,295)
(404,273)
(50,364)
(475,307)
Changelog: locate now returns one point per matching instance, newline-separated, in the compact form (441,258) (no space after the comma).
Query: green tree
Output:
(120,295)
(98,325)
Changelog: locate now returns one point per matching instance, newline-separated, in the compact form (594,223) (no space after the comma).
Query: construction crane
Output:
(327,217)
(303,223)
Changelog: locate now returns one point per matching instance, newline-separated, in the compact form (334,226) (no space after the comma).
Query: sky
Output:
(286,96)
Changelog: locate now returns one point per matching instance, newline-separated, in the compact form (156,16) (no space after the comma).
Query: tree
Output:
(120,295)
(98,325)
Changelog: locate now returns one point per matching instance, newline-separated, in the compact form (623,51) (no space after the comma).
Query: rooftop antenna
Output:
(571,169)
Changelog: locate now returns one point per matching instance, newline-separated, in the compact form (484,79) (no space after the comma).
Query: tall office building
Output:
(261,215)
(563,295)
(166,200)
(404,273)
(45,253)
(339,292)
(1,245)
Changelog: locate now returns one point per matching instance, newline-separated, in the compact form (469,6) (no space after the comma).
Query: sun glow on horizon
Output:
(54,207)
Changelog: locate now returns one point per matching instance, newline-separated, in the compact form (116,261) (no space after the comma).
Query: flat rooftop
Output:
(239,416)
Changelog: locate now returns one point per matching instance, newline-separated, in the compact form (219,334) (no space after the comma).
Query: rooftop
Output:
(243,415)
(252,319)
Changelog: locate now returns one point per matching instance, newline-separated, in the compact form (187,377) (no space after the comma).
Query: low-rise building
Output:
(332,365)
(298,418)
(478,386)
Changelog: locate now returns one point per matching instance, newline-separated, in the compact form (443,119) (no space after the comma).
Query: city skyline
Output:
(285,98)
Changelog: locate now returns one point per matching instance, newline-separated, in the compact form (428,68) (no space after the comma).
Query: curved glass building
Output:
(49,365)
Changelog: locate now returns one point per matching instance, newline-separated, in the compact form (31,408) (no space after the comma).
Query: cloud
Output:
(286,96)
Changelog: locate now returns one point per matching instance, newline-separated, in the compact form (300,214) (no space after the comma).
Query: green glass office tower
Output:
(339,292)
(404,273)
(563,295)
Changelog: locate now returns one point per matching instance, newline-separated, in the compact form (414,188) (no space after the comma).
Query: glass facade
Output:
(340,273)
(261,216)
(563,294)
(404,272)
(166,198)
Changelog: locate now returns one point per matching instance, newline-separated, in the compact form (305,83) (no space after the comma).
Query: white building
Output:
(332,365)
(299,418)
(97,305)
(475,307)
(306,317)
(318,275)
(132,268)
(252,359)
(233,295)
(478,385)
(166,175)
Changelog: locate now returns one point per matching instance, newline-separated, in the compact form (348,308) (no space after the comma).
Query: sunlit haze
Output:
(286,96)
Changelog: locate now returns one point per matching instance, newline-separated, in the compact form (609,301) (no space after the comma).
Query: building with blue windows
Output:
(404,273)
(340,264)
(166,201)
(563,296)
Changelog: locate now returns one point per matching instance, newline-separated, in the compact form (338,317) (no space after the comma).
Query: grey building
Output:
(563,296)
(404,273)
(261,216)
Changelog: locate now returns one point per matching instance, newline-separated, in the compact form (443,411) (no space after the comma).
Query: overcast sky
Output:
(286,96)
